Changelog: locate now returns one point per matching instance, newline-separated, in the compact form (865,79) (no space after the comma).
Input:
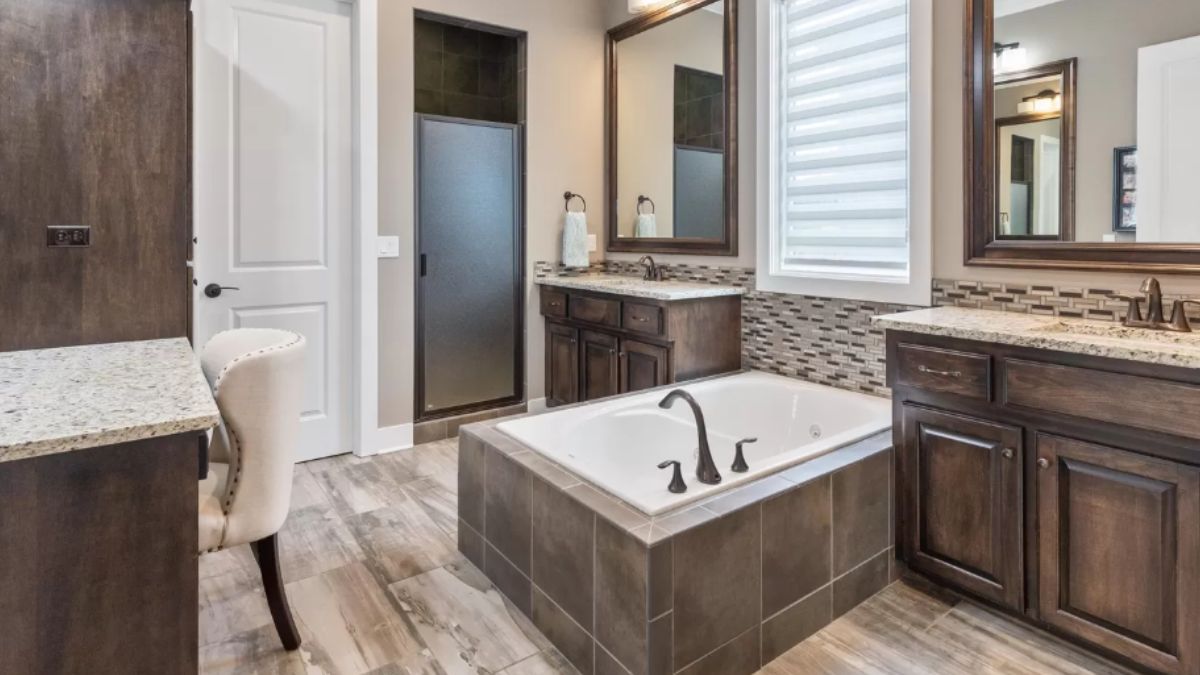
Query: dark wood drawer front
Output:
(642,318)
(554,304)
(1129,400)
(944,370)
(595,310)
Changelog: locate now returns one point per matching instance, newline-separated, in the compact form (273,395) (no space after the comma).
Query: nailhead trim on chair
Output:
(235,454)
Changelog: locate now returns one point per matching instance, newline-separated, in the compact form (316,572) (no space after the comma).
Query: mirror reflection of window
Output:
(671,128)
(1123,131)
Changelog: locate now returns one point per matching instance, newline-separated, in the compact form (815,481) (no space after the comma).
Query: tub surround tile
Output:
(471,463)
(1076,336)
(570,638)
(633,287)
(564,547)
(861,508)
(471,544)
(622,596)
(860,583)
(693,591)
(741,655)
(507,507)
(718,583)
(796,623)
(796,545)
(73,398)
(508,579)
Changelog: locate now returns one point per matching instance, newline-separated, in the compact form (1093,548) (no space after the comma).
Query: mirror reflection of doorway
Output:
(1020,187)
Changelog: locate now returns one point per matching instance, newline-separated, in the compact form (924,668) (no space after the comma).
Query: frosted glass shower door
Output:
(469,277)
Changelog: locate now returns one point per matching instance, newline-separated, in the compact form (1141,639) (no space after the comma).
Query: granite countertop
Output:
(1094,338)
(639,288)
(61,400)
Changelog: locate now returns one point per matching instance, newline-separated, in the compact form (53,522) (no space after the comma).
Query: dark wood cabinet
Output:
(646,366)
(964,505)
(1061,487)
(1120,551)
(602,344)
(562,364)
(599,365)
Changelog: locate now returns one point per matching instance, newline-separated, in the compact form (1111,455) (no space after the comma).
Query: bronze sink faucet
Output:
(1155,319)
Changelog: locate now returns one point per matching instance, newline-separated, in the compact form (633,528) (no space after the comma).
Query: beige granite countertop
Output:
(61,400)
(1079,336)
(639,288)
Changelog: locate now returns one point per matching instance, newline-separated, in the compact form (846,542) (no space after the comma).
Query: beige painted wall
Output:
(564,151)
(646,101)
(1105,36)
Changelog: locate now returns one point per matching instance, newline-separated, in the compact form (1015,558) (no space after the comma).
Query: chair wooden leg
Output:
(266,552)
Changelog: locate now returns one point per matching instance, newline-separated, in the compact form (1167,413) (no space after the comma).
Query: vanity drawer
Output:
(642,318)
(944,370)
(595,310)
(554,303)
(1116,398)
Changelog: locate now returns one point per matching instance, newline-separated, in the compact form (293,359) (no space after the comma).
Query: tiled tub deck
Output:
(723,586)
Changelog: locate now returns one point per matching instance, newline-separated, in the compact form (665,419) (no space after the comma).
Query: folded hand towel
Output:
(645,226)
(575,240)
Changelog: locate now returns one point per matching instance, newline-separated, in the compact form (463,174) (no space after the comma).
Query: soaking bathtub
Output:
(617,444)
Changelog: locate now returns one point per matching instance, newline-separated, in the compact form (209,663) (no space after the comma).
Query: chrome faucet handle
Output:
(739,457)
(677,485)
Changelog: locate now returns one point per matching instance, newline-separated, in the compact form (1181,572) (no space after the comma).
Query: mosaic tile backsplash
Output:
(821,340)
(831,341)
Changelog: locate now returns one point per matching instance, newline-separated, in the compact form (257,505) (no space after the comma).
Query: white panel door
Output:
(272,188)
(1168,142)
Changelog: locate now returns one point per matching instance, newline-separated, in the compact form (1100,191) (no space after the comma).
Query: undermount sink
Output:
(1116,331)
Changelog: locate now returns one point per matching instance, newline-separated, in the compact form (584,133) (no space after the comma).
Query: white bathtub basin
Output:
(619,444)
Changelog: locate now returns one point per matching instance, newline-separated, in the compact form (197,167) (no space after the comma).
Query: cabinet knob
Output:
(1043,463)
(1007,453)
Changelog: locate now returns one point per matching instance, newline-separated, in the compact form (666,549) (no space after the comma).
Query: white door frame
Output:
(366,437)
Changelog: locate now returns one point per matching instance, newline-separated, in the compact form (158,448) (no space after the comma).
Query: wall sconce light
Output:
(1044,101)
(1008,57)
(642,6)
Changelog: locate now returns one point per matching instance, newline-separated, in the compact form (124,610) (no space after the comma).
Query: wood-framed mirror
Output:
(1081,148)
(671,121)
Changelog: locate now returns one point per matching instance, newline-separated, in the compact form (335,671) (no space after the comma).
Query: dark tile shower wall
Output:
(699,108)
(464,72)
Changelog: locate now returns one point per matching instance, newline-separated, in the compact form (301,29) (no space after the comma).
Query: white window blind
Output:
(842,139)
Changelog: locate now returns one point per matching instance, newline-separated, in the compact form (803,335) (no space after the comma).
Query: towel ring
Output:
(568,196)
(642,199)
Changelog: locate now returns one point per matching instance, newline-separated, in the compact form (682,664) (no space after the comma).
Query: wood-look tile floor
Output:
(377,587)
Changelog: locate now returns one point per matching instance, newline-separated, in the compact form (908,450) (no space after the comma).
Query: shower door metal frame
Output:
(420,413)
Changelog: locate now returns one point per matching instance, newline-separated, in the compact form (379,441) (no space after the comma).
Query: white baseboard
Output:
(388,439)
(537,405)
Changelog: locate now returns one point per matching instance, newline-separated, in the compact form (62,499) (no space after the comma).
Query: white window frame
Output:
(917,289)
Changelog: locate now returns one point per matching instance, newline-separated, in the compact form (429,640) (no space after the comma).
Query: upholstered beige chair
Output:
(256,378)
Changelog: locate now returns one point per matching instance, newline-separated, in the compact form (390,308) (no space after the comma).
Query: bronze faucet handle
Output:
(739,459)
(1133,315)
(1179,317)
(677,485)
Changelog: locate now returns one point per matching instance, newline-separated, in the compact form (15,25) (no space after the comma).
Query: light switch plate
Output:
(389,247)
(592,244)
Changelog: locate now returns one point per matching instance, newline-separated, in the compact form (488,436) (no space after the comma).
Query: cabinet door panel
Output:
(1120,551)
(645,367)
(562,364)
(599,363)
(963,497)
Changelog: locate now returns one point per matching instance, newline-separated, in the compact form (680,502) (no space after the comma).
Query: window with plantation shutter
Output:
(841,140)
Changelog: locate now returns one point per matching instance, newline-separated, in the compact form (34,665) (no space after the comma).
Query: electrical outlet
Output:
(68,236)
(389,247)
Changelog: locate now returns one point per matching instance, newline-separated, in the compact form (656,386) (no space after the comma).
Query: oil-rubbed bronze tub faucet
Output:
(706,470)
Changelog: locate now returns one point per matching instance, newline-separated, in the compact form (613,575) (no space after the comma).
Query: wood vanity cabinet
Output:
(1062,487)
(600,344)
